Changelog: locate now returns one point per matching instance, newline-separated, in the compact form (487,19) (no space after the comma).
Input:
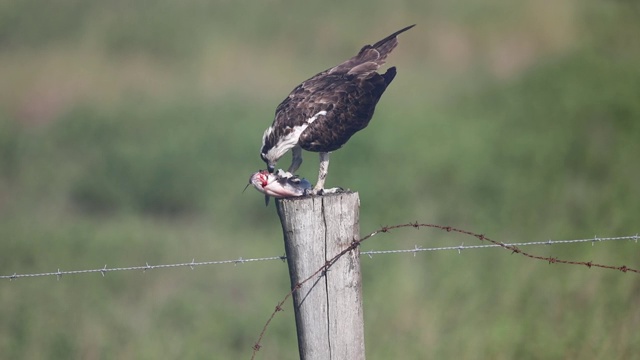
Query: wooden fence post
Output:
(328,308)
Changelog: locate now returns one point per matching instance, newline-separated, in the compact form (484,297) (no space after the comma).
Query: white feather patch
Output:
(266,134)
(314,117)
(289,140)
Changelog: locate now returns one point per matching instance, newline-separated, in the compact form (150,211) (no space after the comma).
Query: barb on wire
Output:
(514,248)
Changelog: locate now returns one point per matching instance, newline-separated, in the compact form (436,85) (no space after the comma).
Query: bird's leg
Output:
(296,159)
(322,173)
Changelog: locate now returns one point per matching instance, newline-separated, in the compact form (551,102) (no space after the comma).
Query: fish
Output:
(281,184)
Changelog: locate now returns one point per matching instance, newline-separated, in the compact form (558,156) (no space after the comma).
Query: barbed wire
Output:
(514,248)
(459,248)
(104,270)
(145,267)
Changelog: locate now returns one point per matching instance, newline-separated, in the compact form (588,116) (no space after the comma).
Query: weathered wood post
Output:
(328,308)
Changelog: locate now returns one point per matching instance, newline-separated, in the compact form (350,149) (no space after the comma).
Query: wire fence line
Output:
(514,248)
(459,248)
(416,249)
(145,267)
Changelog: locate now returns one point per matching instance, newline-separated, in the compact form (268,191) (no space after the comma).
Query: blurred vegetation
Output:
(128,130)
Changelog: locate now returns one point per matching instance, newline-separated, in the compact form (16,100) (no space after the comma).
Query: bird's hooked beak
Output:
(271,168)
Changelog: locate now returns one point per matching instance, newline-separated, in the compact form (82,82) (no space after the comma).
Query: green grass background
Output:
(128,130)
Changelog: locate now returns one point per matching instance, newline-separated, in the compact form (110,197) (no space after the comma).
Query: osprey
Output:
(322,113)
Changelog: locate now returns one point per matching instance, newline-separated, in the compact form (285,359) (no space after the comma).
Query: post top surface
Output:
(308,197)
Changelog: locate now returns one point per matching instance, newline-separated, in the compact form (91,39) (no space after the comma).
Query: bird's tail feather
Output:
(370,57)
(386,45)
(389,75)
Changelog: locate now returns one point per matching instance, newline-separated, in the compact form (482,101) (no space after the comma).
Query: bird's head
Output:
(269,152)
(271,164)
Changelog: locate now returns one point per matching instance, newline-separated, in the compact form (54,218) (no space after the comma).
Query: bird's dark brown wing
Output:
(349,101)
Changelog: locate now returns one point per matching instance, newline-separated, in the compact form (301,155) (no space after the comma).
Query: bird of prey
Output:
(322,113)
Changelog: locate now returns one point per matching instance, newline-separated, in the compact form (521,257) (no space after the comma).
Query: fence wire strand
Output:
(145,267)
(104,270)
(459,248)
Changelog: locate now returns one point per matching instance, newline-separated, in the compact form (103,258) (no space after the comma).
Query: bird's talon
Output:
(284,174)
(335,190)
(315,192)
